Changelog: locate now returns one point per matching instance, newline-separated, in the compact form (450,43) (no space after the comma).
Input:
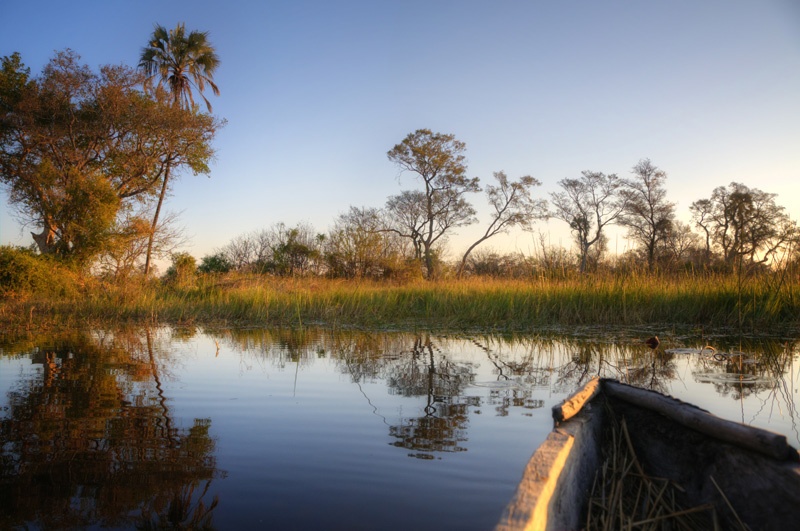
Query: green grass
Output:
(631,300)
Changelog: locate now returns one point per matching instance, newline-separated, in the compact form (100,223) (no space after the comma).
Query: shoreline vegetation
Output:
(99,210)
(768,302)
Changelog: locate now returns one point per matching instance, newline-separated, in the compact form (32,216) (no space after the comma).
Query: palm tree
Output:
(182,64)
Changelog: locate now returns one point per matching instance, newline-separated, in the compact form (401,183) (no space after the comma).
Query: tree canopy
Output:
(588,204)
(83,152)
(647,214)
(512,206)
(182,63)
(438,160)
(744,224)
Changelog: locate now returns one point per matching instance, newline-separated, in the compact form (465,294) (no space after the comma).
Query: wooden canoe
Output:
(745,477)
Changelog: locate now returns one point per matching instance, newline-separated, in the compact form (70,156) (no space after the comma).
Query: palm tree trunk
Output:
(152,234)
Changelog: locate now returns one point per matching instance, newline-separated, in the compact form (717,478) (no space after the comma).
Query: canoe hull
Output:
(751,470)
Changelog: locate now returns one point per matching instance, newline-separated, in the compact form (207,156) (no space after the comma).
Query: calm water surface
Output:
(269,429)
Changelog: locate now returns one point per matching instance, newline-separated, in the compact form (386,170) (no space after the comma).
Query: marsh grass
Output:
(478,303)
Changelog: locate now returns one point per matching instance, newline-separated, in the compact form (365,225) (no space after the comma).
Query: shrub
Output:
(24,273)
(183,271)
(215,263)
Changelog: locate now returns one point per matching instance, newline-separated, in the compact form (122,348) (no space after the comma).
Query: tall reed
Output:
(478,303)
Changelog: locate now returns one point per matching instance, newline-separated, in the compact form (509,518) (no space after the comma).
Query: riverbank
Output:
(723,301)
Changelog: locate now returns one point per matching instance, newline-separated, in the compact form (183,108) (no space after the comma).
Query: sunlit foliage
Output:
(81,151)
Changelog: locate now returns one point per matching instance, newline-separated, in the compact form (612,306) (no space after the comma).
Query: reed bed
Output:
(489,304)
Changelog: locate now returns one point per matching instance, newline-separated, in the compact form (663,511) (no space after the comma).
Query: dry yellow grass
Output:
(478,303)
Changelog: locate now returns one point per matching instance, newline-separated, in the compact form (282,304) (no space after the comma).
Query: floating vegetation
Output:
(499,384)
(735,357)
(691,351)
(732,377)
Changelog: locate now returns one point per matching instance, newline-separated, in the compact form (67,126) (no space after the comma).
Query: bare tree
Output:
(588,204)
(405,215)
(358,246)
(282,250)
(439,162)
(512,206)
(253,252)
(647,215)
(702,211)
(126,256)
(681,242)
(240,252)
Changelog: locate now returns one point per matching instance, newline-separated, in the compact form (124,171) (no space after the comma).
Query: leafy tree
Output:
(512,206)
(14,79)
(182,64)
(428,215)
(214,263)
(79,150)
(744,224)
(647,215)
(588,204)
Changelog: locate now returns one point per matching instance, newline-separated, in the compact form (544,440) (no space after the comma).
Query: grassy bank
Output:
(696,300)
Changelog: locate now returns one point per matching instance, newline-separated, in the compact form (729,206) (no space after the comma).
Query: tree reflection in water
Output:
(425,371)
(89,440)
(89,435)
(760,370)
(415,365)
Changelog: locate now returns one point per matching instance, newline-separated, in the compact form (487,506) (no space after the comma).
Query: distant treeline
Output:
(88,158)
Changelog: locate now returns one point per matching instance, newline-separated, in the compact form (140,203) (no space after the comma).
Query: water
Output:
(270,429)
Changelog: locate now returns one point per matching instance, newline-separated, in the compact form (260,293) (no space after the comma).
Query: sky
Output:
(316,92)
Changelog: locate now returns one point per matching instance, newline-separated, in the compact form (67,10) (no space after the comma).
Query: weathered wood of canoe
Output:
(766,442)
(572,405)
(714,461)
(552,492)
(764,491)
(526,510)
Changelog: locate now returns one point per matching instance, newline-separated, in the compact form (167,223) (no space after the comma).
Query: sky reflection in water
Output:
(313,429)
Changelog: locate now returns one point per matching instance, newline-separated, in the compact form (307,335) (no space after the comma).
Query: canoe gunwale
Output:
(578,422)
(765,442)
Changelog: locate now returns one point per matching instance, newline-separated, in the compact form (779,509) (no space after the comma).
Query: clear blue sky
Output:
(315,94)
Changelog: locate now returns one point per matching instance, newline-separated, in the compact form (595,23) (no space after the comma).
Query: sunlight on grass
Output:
(252,300)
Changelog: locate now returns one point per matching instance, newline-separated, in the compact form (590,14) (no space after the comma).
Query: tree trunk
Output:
(46,240)
(429,265)
(463,263)
(152,235)
(584,256)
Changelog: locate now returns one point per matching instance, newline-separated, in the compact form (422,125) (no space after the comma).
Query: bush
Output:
(183,271)
(24,273)
(215,263)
